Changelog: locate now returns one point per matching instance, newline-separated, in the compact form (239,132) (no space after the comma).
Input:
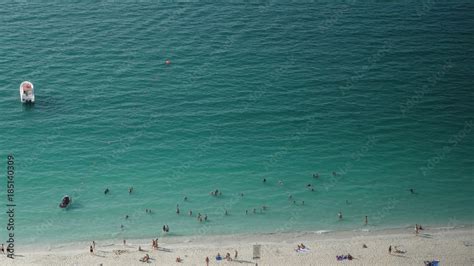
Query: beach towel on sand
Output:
(302,250)
(432,263)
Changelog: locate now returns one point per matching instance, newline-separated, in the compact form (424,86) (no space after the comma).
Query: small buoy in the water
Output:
(167,62)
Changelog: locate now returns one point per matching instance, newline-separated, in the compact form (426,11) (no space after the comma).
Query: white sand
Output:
(449,246)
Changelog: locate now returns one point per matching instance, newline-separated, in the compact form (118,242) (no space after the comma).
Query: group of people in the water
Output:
(200,218)
(217,193)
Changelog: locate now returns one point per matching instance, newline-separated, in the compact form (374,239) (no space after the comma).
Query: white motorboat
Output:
(27,92)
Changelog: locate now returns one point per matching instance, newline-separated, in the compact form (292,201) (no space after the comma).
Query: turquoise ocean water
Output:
(380,93)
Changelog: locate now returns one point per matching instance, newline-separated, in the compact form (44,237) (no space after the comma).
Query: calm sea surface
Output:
(381,94)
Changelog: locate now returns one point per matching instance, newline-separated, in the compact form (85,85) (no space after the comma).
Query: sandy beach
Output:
(451,246)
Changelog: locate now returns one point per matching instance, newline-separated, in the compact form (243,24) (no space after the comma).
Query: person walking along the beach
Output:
(390,249)
(207,261)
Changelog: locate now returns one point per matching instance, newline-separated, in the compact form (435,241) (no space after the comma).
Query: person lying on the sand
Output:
(344,257)
(301,247)
(399,251)
(146,258)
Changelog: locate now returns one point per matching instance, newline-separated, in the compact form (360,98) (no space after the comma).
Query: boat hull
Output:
(27,93)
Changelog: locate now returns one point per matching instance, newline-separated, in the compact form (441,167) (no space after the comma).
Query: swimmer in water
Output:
(185,198)
(334,173)
(412,191)
(339,214)
(264,180)
(205,217)
(106,191)
(126,217)
(316,175)
(226,213)
(130,190)
(177,210)
(190,213)
(290,196)
(241,194)
(246,211)
(254,210)
(280,182)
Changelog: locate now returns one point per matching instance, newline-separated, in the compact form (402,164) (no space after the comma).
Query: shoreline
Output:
(187,238)
(450,245)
